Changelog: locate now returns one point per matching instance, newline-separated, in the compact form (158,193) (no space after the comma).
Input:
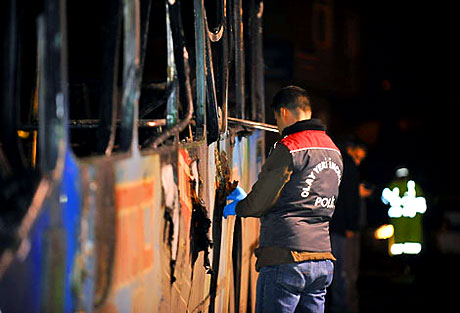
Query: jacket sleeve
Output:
(275,173)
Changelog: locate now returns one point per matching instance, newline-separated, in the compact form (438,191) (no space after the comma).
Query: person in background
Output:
(408,205)
(344,227)
(294,197)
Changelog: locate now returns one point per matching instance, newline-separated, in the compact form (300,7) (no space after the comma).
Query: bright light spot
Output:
(22,134)
(386,194)
(407,248)
(397,248)
(411,188)
(384,232)
(409,205)
(412,247)
(402,172)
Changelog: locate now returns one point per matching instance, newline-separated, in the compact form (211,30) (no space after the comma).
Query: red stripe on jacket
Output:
(309,139)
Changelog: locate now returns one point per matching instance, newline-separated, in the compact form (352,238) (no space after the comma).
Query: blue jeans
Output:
(294,287)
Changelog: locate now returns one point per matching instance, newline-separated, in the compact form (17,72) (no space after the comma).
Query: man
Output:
(295,198)
(345,237)
(407,206)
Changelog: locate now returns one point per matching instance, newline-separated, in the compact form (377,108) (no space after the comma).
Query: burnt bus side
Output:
(117,154)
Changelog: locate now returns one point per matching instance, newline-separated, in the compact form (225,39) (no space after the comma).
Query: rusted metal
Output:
(143,230)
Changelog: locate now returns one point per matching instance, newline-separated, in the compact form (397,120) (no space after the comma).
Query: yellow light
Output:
(22,134)
(384,232)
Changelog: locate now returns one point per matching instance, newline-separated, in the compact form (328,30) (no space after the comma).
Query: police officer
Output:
(294,197)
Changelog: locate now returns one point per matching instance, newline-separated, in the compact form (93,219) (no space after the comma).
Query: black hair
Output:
(291,98)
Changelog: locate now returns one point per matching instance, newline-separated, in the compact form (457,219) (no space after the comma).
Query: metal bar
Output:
(212,118)
(131,74)
(171,105)
(239,68)
(145,21)
(255,125)
(183,72)
(94,124)
(256,60)
(53,92)
(222,72)
(216,33)
(200,69)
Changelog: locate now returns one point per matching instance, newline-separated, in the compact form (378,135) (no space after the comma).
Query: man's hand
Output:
(237,195)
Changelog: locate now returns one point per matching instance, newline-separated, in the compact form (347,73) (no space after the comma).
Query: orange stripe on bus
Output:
(134,194)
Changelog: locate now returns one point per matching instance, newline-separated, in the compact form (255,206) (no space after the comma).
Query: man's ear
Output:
(283,112)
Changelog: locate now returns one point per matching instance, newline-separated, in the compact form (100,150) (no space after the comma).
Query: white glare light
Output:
(397,248)
(402,172)
(407,248)
(408,205)
(412,248)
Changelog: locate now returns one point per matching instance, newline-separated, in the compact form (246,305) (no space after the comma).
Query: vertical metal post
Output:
(171,80)
(131,71)
(200,50)
(257,61)
(239,68)
(212,120)
(53,92)
(222,74)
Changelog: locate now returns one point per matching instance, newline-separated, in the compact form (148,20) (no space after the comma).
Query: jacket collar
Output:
(311,124)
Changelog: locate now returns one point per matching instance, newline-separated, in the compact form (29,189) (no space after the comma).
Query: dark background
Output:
(398,92)
(405,98)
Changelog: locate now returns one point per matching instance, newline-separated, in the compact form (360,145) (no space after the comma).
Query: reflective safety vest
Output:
(407,205)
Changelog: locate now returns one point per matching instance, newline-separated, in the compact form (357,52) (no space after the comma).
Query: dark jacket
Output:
(346,215)
(296,190)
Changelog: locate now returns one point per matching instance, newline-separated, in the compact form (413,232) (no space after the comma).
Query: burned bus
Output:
(124,126)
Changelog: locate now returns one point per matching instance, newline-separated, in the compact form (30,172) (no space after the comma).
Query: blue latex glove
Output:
(229,209)
(237,195)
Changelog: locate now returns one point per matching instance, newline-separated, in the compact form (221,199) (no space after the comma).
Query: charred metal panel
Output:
(97,235)
(134,232)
